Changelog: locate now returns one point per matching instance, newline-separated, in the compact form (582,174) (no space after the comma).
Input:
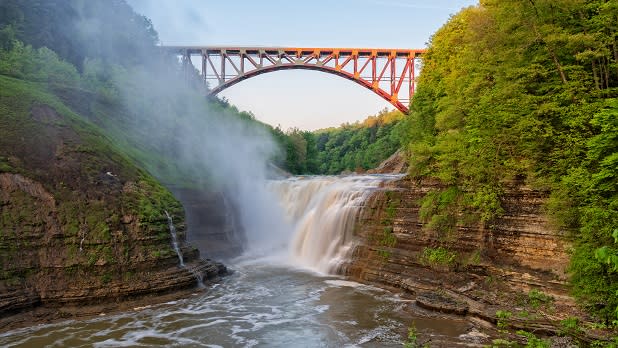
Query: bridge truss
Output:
(390,73)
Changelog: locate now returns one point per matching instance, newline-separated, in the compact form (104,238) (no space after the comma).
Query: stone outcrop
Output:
(516,264)
(79,223)
(46,263)
(213,226)
(395,164)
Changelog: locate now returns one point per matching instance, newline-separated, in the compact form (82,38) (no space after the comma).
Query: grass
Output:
(537,298)
(502,319)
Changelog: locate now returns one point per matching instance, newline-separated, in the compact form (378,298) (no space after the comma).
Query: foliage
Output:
(77,29)
(570,326)
(41,64)
(439,210)
(109,86)
(299,155)
(502,319)
(526,92)
(537,298)
(533,341)
(438,256)
(104,40)
(351,147)
(359,146)
(412,339)
(500,342)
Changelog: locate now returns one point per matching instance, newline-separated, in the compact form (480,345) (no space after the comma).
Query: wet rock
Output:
(441,303)
(474,336)
(562,342)
(212,223)
(12,301)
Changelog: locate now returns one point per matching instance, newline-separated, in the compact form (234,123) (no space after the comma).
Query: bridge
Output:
(390,73)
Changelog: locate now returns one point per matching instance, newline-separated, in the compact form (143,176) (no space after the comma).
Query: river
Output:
(287,299)
(258,306)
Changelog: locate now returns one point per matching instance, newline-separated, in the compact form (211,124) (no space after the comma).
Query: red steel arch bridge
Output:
(390,73)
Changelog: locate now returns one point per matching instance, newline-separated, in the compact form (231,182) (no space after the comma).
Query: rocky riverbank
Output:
(511,273)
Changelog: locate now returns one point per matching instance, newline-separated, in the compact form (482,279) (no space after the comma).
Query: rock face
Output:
(395,164)
(79,223)
(45,262)
(212,224)
(516,264)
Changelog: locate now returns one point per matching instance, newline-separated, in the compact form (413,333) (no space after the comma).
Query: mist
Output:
(158,114)
(210,145)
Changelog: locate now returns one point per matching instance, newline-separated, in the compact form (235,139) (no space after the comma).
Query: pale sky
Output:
(299,98)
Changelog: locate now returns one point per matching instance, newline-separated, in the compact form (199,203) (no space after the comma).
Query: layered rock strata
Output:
(80,224)
(213,226)
(46,262)
(517,264)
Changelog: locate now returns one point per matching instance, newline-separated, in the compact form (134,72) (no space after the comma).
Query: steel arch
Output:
(375,69)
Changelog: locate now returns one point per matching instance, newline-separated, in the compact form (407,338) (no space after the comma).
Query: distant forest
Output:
(354,147)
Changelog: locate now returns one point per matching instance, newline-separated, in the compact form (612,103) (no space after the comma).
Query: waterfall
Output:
(323,212)
(170,223)
(196,273)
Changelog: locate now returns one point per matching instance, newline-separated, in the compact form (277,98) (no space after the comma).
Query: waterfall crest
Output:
(322,211)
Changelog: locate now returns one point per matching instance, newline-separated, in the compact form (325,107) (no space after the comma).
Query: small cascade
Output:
(170,223)
(323,211)
(199,276)
(196,273)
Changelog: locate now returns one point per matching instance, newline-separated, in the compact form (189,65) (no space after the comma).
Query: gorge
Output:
(368,229)
(308,307)
(136,212)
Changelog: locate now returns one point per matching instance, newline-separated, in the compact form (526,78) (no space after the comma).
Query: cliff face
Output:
(516,264)
(212,224)
(79,223)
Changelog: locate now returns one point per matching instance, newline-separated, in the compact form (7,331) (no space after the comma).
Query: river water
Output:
(260,305)
(287,299)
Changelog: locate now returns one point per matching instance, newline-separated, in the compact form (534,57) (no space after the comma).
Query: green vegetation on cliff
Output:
(527,91)
(110,49)
(71,201)
(92,56)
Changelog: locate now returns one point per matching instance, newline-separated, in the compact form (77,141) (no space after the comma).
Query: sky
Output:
(300,98)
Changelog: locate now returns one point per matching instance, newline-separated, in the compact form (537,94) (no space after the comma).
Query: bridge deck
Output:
(362,52)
